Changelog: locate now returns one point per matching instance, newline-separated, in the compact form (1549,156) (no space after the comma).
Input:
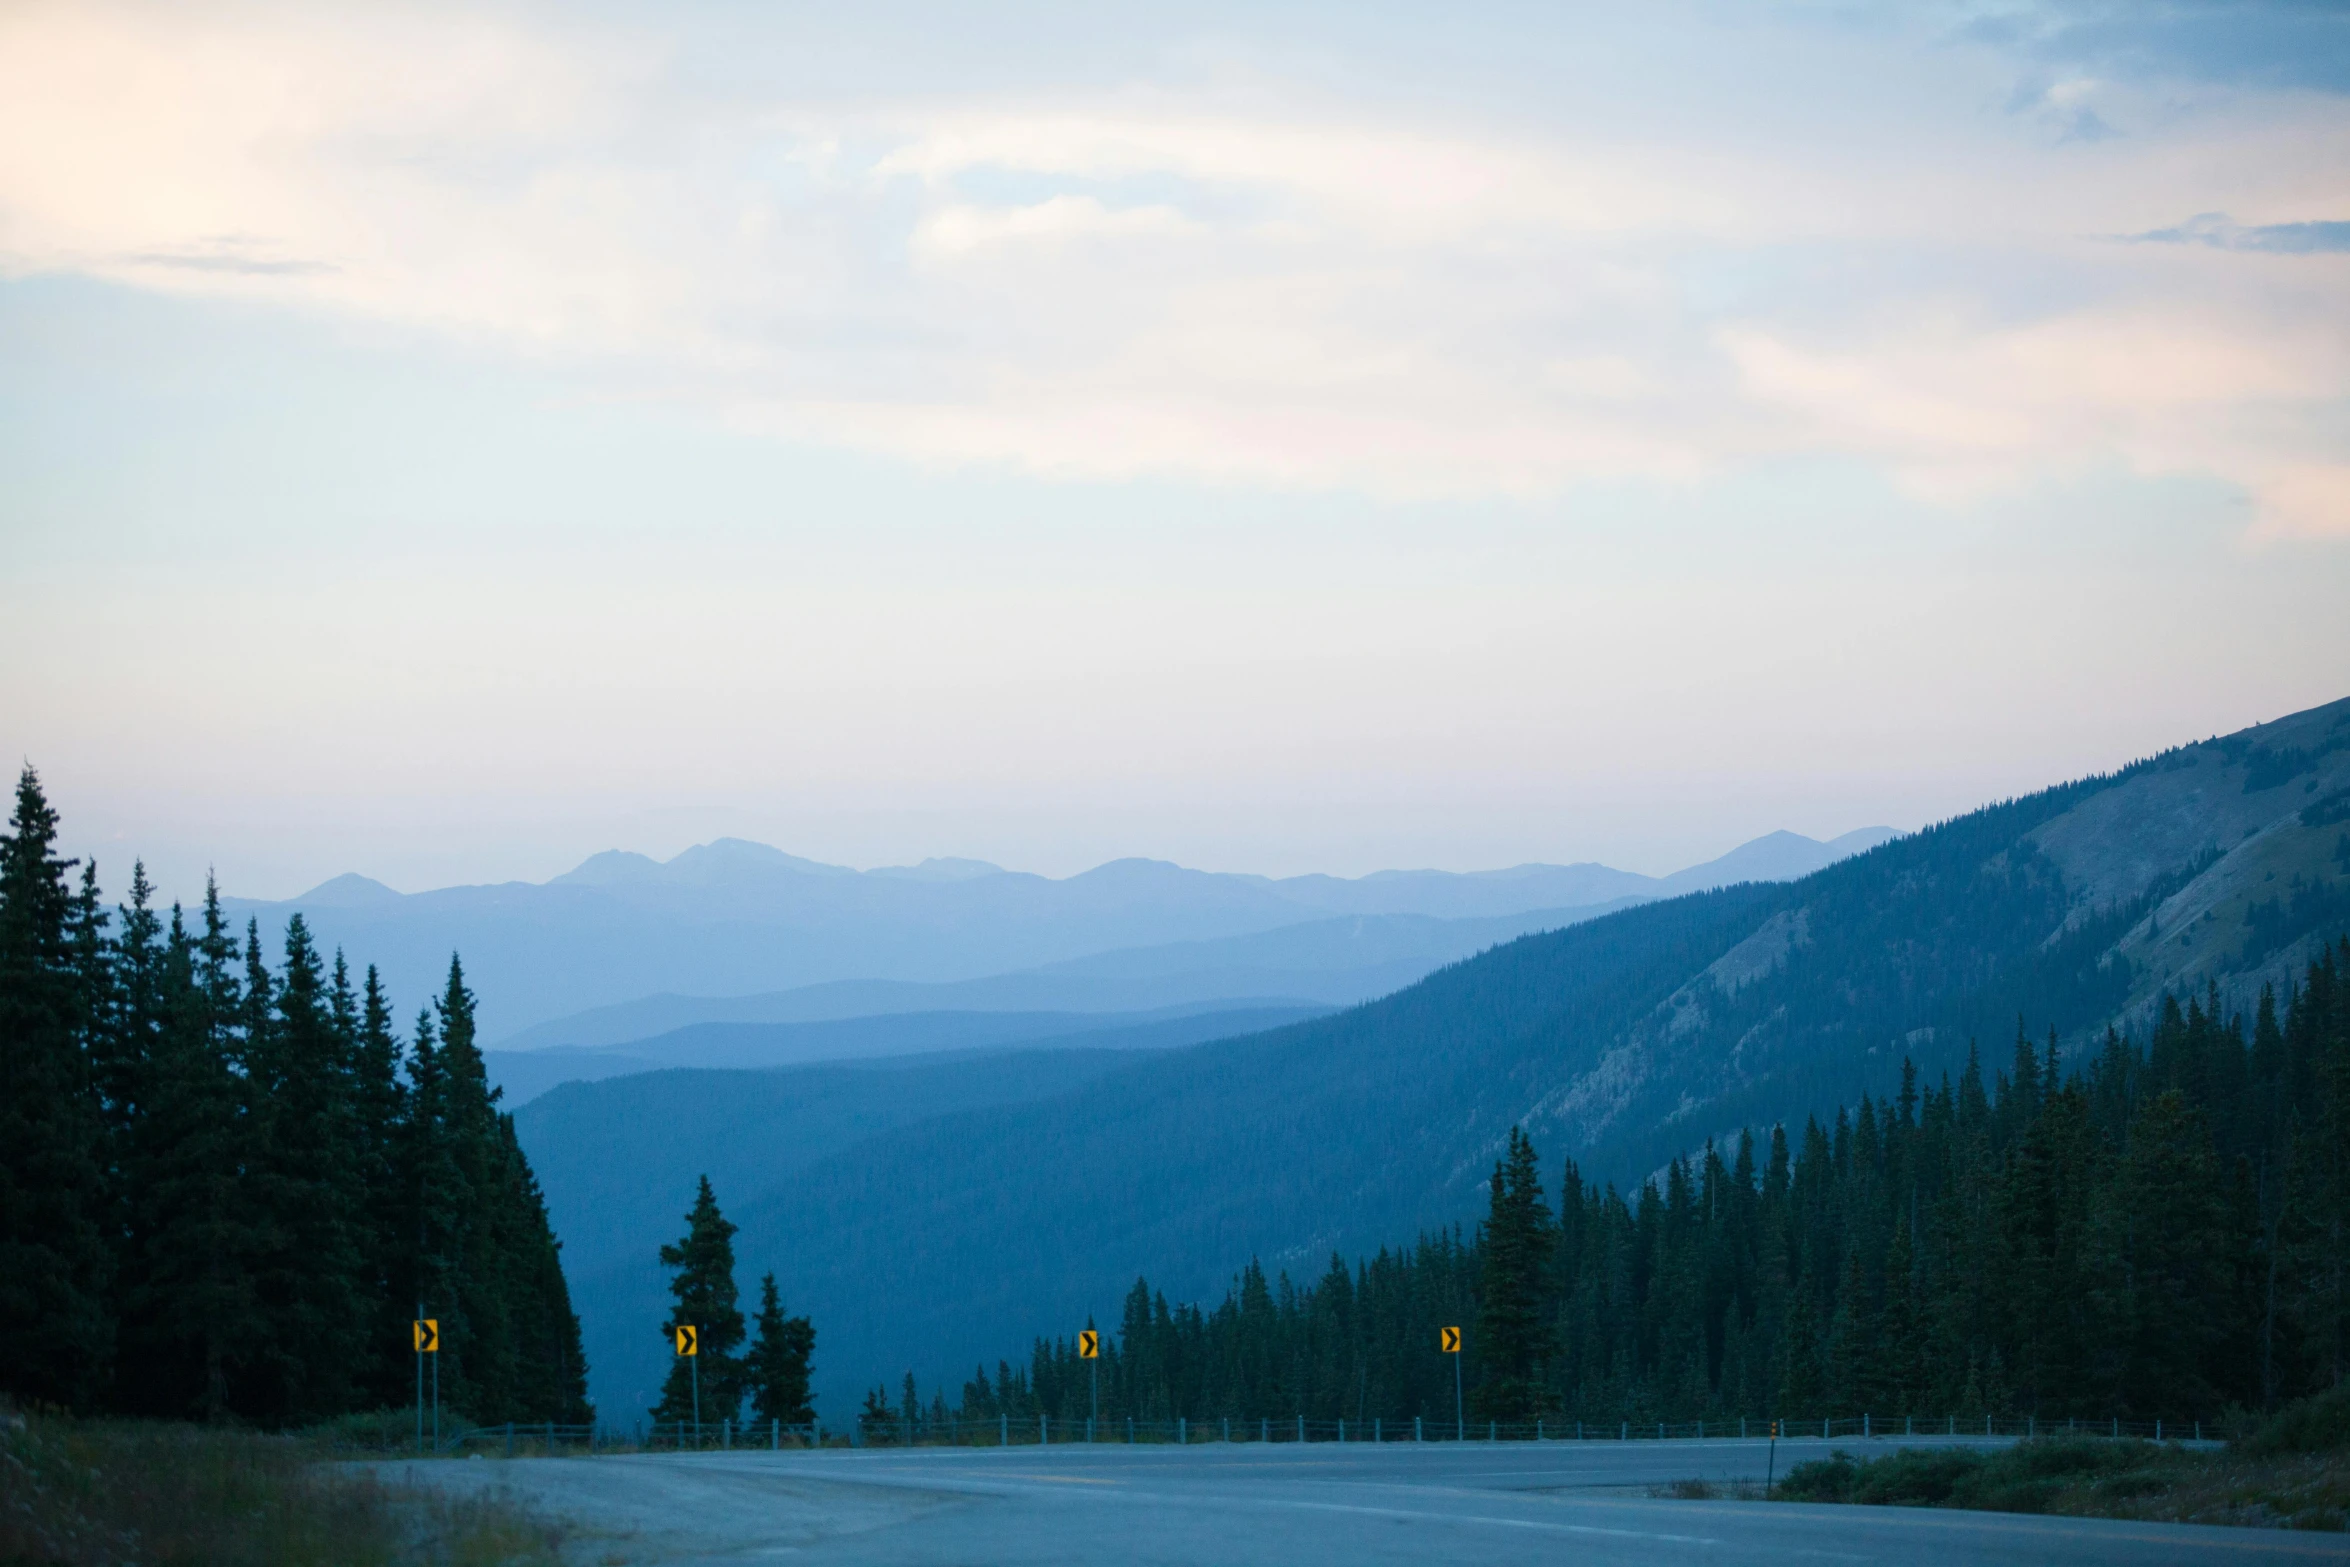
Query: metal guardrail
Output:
(544,1436)
(1034,1430)
(717,1436)
(533,1438)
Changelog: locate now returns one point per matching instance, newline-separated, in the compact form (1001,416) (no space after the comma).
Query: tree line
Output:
(711,1385)
(226,1188)
(2161,1231)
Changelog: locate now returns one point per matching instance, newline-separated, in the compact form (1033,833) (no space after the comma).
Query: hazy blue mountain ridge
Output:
(525,1074)
(1334,962)
(733,918)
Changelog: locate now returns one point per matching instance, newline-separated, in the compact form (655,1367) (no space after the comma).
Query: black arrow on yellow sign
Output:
(689,1342)
(428,1335)
(1449,1340)
(1089,1345)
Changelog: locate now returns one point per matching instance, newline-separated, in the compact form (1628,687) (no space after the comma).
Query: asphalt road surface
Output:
(1235,1506)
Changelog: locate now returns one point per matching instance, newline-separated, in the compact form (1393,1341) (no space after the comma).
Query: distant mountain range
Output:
(931,1211)
(525,1074)
(733,919)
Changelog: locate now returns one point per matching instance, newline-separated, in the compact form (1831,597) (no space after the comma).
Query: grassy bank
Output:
(2293,1472)
(146,1494)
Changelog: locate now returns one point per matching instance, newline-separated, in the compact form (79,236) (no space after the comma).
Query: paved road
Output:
(1242,1505)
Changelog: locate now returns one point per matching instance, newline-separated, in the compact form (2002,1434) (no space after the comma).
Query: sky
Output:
(445,442)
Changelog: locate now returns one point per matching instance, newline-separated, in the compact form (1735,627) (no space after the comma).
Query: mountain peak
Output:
(734,859)
(612,868)
(347,891)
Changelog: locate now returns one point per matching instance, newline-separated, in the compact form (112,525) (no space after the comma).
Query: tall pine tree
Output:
(776,1369)
(705,1299)
(55,1259)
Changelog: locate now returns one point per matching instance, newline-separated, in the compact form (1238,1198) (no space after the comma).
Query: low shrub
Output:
(152,1494)
(2100,1477)
(2319,1424)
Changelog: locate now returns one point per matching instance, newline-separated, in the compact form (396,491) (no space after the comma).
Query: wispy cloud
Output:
(213,261)
(2217,230)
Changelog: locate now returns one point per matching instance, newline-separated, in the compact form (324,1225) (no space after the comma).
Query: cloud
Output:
(1283,287)
(2217,230)
(2289,44)
(247,266)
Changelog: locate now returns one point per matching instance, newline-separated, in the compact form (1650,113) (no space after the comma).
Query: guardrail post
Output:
(1864,1428)
(1227,1428)
(1182,1431)
(1823,1430)
(1301,1430)
(1624,1432)
(2158,1430)
(1416,1436)
(1044,1432)
(509,1439)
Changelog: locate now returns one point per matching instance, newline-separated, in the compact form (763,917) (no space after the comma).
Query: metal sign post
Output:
(1089,1350)
(1449,1340)
(689,1345)
(427,1331)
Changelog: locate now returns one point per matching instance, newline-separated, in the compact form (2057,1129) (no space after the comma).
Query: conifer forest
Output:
(228,1184)
(2159,1229)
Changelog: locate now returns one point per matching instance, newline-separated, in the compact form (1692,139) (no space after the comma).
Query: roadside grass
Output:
(2292,1472)
(1709,1490)
(76,1493)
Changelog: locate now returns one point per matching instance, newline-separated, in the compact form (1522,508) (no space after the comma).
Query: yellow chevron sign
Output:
(1449,1340)
(1089,1345)
(428,1335)
(689,1341)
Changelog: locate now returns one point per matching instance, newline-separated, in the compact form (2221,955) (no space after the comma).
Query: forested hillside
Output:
(2161,1232)
(614,1151)
(224,1191)
(1625,1042)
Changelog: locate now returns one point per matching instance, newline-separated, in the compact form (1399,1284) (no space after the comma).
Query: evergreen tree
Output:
(310,1277)
(1513,1333)
(188,1297)
(704,1292)
(379,1107)
(55,1259)
(777,1367)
